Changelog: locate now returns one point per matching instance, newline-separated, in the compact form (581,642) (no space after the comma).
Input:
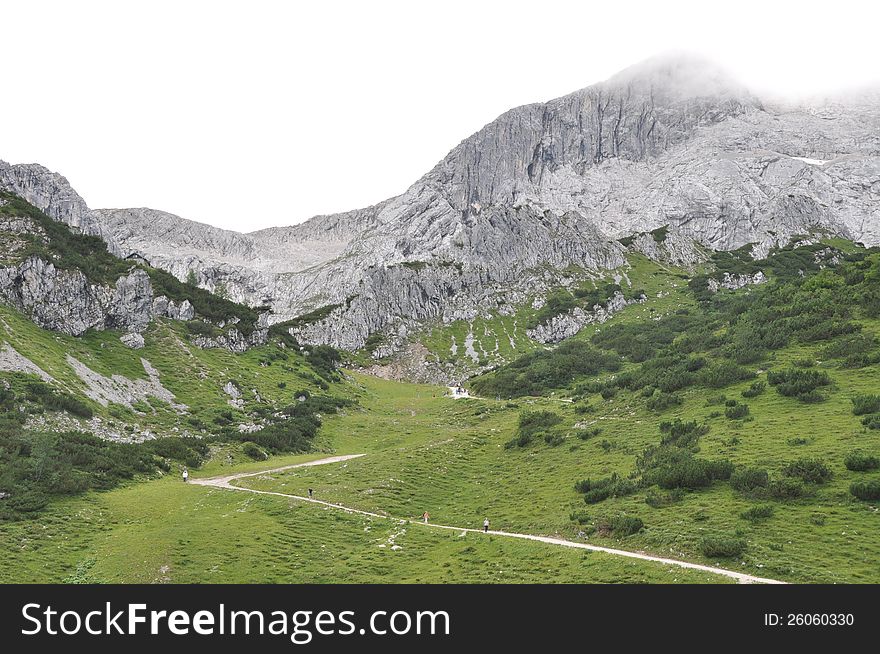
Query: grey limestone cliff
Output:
(66,301)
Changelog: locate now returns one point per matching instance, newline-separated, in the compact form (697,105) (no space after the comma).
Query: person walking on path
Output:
(311,492)
(425,517)
(185,475)
(486,525)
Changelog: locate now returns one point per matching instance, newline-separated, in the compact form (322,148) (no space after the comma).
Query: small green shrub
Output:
(659,500)
(724,374)
(580,517)
(602,489)
(584,408)
(188,450)
(786,489)
(747,480)
(868,491)
(720,546)
(755,389)
(690,473)
(533,424)
(811,397)
(860,462)
(811,471)
(661,401)
(757,513)
(587,434)
(682,434)
(622,525)
(801,384)
(737,412)
(872,421)
(864,404)
(254,451)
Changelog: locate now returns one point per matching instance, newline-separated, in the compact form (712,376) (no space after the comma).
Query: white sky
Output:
(257,113)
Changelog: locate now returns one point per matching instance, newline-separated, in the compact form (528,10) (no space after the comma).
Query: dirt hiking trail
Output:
(225,482)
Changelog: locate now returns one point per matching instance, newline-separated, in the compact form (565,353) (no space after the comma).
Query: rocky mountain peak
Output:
(638,114)
(673,144)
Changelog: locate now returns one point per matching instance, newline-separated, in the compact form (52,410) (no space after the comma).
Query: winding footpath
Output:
(225,482)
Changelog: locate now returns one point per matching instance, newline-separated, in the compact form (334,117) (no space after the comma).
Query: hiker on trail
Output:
(185,475)
(425,517)
(311,492)
(486,525)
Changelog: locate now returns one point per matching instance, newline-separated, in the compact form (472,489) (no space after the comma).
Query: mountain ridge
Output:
(672,143)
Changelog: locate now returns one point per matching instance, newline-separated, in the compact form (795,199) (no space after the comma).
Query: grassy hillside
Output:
(499,339)
(449,457)
(163,531)
(44,455)
(737,428)
(85,413)
(742,431)
(153,528)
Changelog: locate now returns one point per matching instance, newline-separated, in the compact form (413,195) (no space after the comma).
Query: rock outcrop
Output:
(66,301)
(49,192)
(234,395)
(64,298)
(734,282)
(184,310)
(567,324)
(233,340)
(134,341)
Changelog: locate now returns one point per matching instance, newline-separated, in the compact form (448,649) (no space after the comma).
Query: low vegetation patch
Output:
(756,389)
(861,462)
(736,411)
(597,490)
(622,526)
(800,384)
(811,471)
(532,425)
(868,491)
(786,488)
(721,546)
(254,451)
(748,480)
(543,370)
(865,404)
(757,513)
(660,500)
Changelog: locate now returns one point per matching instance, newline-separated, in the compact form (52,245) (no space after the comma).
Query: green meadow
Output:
(738,429)
(163,531)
